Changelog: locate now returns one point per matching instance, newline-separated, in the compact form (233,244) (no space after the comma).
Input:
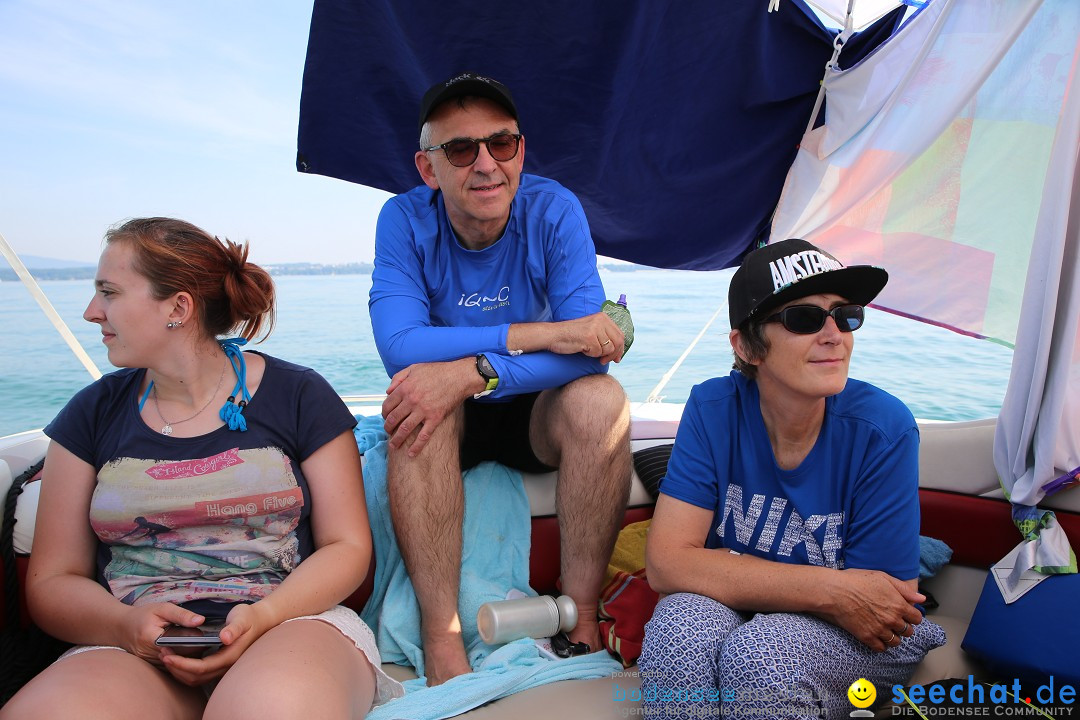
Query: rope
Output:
(233,414)
(838,45)
(654,396)
(46,307)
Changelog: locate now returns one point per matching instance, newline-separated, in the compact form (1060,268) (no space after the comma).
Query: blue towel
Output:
(495,559)
(933,554)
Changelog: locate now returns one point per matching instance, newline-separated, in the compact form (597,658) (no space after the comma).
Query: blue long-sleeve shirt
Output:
(433,300)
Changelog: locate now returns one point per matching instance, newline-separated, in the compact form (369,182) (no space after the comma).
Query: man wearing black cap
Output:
(786,534)
(485,307)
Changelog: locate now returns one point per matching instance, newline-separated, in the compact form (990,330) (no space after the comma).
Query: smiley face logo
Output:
(862,693)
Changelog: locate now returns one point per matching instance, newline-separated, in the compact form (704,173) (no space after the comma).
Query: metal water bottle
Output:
(618,312)
(537,617)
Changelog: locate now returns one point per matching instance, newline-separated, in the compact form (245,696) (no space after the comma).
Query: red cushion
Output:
(544,558)
(979,530)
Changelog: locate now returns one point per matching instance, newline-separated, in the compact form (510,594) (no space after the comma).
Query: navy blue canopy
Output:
(673,121)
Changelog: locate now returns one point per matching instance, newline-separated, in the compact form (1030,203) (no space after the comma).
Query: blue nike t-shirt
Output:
(852,503)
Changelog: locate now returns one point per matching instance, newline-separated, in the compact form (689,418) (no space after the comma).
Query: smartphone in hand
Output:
(205,635)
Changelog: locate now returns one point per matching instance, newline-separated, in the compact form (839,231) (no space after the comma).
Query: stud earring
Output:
(176,324)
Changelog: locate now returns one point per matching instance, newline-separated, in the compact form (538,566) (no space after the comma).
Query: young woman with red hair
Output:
(199,483)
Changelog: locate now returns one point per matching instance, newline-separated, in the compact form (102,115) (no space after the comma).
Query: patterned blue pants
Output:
(703,659)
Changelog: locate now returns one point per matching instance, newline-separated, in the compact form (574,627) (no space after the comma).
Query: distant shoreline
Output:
(86,272)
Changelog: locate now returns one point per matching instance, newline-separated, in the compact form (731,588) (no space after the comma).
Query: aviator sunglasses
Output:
(808,319)
(462,152)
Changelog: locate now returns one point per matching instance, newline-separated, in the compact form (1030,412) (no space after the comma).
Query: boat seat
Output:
(958,506)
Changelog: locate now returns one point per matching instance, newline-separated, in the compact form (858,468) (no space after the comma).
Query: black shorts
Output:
(499,431)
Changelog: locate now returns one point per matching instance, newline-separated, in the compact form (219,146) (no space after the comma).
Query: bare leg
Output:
(584,429)
(302,669)
(106,685)
(427,502)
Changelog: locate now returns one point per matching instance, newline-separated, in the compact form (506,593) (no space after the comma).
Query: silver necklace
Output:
(167,429)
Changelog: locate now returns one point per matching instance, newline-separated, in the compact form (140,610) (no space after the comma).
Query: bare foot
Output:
(444,659)
(587,631)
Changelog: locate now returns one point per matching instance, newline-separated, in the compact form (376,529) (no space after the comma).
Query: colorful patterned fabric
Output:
(935,160)
(949,157)
(627,600)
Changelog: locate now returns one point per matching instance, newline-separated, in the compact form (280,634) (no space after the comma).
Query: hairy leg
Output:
(109,684)
(427,502)
(305,668)
(583,428)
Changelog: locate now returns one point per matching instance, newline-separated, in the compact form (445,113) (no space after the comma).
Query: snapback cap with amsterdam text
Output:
(790,269)
(466,84)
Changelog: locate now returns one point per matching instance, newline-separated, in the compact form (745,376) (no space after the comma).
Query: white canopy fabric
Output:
(1038,431)
(863,12)
(949,157)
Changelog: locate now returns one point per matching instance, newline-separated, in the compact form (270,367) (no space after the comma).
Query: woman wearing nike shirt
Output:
(786,531)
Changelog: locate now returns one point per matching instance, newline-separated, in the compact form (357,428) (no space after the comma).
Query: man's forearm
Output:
(595,335)
(530,337)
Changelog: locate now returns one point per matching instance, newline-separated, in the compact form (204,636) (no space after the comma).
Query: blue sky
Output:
(111,109)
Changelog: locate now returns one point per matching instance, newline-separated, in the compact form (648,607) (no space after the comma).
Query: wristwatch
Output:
(483,366)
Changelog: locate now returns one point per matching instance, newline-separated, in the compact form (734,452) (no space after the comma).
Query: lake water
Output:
(323,323)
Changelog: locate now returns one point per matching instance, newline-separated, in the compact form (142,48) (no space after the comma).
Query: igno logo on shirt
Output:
(486,302)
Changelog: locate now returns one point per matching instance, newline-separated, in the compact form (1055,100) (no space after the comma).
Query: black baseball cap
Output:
(466,84)
(790,269)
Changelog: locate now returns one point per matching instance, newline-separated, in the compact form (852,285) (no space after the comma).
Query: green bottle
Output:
(618,312)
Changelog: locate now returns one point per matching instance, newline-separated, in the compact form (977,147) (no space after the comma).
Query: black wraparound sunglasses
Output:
(809,319)
(462,152)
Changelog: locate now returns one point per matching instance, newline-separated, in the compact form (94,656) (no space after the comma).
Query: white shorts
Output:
(348,624)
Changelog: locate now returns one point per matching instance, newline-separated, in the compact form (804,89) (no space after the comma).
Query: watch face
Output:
(485,368)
